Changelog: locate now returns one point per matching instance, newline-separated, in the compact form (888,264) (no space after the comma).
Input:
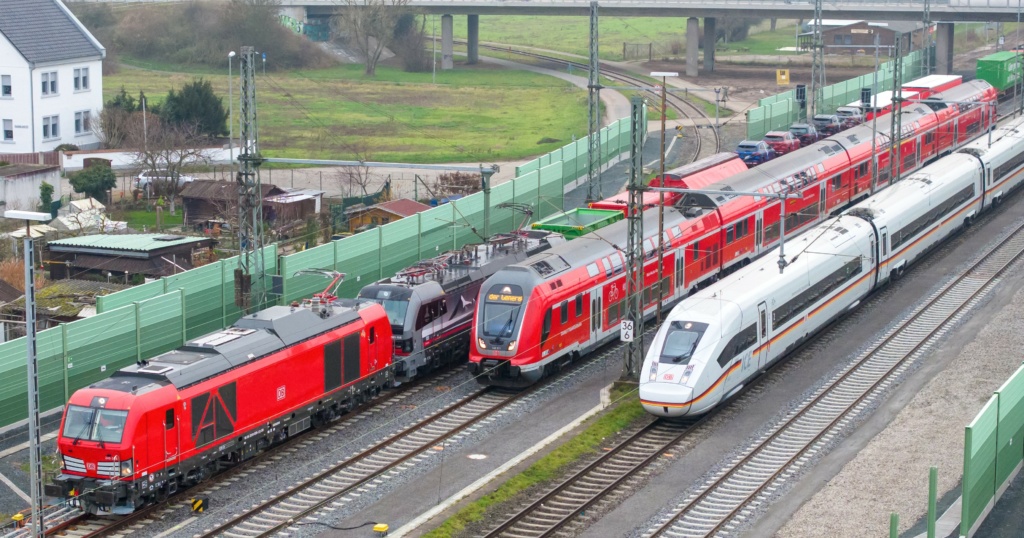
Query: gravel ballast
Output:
(891,473)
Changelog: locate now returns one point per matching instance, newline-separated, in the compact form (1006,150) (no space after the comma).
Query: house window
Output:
(51,127)
(82,79)
(50,83)
(82,122)
(5,86)
(8,130)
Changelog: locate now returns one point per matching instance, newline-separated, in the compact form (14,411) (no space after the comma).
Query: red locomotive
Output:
(536,316)
(172,421)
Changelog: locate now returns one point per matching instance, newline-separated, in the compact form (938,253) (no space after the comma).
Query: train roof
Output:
(1010,133)
(594,246)
(251,337)
(931,81)
(476,262)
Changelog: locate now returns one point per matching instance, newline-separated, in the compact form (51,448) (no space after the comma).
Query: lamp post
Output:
(35,454)
(661,195)
(231,113)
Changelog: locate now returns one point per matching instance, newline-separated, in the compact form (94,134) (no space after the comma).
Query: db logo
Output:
(90,466)
(280,393)
(668,377)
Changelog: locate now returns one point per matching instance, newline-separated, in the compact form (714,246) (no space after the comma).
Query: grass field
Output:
(470,113)
(138,218)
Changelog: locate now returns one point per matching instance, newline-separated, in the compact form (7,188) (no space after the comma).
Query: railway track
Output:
(559,508)
(733,495)
(679,104)
(398,451)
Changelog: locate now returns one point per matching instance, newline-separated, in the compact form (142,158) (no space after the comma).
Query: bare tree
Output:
(162,146)
(355,180)
(370,26)
(112,126)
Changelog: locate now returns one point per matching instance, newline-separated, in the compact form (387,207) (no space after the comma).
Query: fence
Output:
(993,452)
(42,157)
(158,316)
(778,112)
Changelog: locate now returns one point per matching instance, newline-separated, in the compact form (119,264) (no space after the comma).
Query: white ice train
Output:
(714,342)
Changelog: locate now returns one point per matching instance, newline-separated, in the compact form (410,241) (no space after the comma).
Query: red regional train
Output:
(536,316)
(170,422)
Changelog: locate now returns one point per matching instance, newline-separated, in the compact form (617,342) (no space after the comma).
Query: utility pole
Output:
(594,114)
(927,37)
(635,249)
(817,62)
(250,288)
(874,121)
(896,131)
(661,195)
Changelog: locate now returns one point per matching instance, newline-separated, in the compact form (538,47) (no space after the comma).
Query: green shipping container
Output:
(1002,69)
(577,222)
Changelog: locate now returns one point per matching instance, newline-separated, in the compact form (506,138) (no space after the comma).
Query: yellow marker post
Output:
(782,77)
(381,529)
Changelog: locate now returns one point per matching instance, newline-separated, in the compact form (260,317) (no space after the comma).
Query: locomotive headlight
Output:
(126,468)
(511,345)
(480,342)
(654,370)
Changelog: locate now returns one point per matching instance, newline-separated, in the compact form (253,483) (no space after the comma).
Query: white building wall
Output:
(17,107)
(23,192)
(67,102)
(27,106)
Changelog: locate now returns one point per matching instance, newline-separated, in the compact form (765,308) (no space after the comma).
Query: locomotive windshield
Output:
(681,341)
(501,309)
(94,424)
(394,300)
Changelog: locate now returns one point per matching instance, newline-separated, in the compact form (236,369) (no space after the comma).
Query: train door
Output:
(758,233)
(822,196)
(171,430)
(762,335)
(883,251)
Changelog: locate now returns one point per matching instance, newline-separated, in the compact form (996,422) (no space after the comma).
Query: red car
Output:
(782,141)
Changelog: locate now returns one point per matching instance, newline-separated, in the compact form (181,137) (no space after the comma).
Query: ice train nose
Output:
(665,399)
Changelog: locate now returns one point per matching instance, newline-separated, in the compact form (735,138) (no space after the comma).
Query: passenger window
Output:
(565,311)
(885,244)
(169,419)
(579,305)
(373,335)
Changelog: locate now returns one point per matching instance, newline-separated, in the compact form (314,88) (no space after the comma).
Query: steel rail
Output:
(357,478)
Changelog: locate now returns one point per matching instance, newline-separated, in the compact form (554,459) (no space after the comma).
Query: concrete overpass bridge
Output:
(947,12)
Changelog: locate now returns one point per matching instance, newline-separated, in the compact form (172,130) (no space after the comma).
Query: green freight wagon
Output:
(1001,69)
(577,222)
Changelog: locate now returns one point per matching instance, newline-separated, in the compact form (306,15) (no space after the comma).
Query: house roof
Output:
(133,242)
(85,205)
(402,206)
(45,31)
(223,190)
(66,298)
(8,292)
(12,171)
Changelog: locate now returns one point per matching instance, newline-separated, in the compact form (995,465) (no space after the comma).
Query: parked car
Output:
(153,181)
(782,142)
(755,152)
(850,116)
(805,132)
(827,124)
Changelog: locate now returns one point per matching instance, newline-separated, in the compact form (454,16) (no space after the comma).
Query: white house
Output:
(51,78)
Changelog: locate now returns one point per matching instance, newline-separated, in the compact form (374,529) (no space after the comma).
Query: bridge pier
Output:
(473,38)
(692,40)
(447,42)
(944,48)
(709,44)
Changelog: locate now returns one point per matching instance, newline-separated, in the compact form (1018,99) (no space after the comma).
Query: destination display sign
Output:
(504,298)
